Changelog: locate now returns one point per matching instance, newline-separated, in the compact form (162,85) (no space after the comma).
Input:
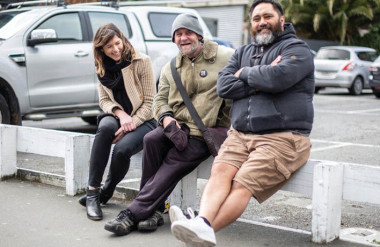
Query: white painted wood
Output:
(8,153)
(189,191)
(302,180)
(42,141)
(361,183)
(327,201)
(76,163)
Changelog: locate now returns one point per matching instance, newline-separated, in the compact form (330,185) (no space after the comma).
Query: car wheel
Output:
(356,87)
(316,89)
(5,116)
(90,120)
(376,93)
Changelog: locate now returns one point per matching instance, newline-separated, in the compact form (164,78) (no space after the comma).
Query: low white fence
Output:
(327,182)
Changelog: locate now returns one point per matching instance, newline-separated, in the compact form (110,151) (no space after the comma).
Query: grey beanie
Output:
(187,21)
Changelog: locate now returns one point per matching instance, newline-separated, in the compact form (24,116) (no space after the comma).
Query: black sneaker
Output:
(122,225)
(151,223)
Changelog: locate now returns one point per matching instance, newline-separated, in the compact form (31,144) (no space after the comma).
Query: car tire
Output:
(376,93)
(5,115)
(90,120)
(357,86)
(316,89)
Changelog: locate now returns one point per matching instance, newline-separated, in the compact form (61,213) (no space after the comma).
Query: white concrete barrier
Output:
(327,182)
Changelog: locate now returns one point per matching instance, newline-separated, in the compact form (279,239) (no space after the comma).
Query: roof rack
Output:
(36,3)
(113,4)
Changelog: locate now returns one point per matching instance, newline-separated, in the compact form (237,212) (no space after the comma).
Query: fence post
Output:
(77,161)
(8,151)
(327,201)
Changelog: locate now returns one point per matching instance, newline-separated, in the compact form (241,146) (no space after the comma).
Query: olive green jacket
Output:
(199,79)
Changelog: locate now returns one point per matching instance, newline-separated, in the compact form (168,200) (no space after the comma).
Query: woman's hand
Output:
(126,124)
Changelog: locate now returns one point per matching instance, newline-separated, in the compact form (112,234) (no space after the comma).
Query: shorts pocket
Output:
(282,169)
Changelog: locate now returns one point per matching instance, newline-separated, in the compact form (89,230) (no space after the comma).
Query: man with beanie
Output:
(271,83)
(176,147)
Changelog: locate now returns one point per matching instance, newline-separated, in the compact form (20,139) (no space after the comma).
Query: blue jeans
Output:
(129,145)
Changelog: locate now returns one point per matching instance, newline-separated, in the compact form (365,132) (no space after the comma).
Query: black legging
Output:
(129,145)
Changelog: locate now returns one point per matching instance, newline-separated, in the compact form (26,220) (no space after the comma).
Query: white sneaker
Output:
(194,231)
(175,213)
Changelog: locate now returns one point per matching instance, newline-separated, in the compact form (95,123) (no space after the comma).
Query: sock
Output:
(206,221)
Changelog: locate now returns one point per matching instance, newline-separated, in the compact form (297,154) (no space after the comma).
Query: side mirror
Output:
(40,36)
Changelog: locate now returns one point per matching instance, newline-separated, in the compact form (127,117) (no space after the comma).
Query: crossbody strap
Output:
(194,114)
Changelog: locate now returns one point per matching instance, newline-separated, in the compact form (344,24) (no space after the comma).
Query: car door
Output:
(61,75)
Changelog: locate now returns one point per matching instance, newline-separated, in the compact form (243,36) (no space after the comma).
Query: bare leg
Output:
(233,206)
(217,189)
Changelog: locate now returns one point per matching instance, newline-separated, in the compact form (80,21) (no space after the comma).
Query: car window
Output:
(67,26)
(97,19)
(333,54)
(161,23)
(366,56)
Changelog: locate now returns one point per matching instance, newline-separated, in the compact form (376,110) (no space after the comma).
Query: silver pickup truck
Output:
(46,60)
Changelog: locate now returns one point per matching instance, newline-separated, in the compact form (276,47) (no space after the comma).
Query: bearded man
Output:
(271,83)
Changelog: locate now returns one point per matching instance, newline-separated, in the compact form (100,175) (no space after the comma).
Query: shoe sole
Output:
(189,237)
(95,218)
(118,232)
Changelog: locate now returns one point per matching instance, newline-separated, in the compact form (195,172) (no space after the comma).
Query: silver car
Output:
(343,66)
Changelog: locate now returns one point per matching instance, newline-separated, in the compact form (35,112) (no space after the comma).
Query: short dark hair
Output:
(276,5)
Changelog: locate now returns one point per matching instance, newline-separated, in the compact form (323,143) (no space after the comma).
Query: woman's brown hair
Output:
(104,34)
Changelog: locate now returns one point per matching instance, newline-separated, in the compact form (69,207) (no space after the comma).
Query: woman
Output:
(126,91)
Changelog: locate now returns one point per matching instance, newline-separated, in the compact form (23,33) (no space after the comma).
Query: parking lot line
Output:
(359,112)
(336,144)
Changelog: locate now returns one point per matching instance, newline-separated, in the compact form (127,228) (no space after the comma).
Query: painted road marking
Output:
(336,144)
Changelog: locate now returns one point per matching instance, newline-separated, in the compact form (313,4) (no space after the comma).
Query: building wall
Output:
(230,21)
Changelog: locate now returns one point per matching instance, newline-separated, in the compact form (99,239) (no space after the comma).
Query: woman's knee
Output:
(108,125)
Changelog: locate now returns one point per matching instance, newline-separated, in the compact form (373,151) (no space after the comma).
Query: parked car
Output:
(374,77)
(343,66)
(223,42)
(46,59)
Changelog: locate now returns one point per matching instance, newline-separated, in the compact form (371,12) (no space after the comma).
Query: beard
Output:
(266,38)
(188,52)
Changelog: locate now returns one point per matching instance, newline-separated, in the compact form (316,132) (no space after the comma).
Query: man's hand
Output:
(237,74)
(167,121)
(276,61)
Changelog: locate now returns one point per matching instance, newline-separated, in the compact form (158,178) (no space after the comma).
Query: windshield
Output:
(333,54)
(12,21)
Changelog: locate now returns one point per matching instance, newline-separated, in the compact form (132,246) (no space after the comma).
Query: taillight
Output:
(350,66)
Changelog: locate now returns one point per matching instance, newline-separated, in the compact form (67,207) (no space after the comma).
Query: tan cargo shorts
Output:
(264,162)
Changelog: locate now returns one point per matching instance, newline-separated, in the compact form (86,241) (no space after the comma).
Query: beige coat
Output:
(202,90)
(140,87)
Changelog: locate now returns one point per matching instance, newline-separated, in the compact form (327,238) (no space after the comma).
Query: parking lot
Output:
(346,128)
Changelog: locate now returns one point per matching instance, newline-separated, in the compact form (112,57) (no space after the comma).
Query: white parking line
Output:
(358,112)
(335,144)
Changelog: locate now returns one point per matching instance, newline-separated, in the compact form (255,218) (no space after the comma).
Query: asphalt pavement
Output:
(35,214)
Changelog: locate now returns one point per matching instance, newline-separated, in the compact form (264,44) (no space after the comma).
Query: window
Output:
(333,54)
(366,56)
(161,23)
(212,24)
(67,26)
(98,19)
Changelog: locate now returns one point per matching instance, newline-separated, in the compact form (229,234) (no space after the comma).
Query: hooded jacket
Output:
(267,98)
(199,79)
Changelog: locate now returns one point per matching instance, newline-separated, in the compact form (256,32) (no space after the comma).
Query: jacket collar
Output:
(208,52)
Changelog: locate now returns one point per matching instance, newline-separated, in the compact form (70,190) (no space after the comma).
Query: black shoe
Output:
(151,223)
(122,225)
(104,198)
(94,212)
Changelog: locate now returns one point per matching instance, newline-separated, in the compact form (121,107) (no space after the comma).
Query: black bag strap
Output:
(194,114)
